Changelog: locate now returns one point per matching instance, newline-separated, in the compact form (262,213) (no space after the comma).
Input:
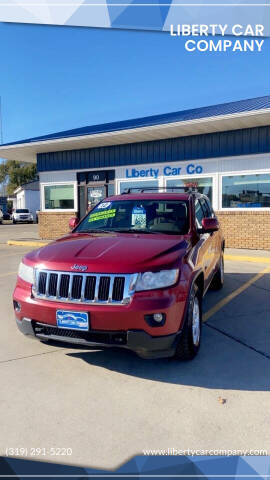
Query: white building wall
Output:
(20,203)
(32,201)
(214,168)
(62,176)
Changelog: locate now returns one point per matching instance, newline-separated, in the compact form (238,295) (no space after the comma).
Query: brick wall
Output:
(246,229)
(241,229)
(54,225)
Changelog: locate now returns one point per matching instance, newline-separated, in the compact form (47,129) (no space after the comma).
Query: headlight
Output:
(152,280)
(26,273)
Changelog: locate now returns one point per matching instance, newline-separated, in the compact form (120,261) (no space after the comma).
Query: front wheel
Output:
(190,339)
(14,221)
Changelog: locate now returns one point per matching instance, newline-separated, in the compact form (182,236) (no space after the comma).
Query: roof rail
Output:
(185,189)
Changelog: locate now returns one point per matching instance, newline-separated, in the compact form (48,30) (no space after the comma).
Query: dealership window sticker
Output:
(138,218)
(104,205)
(103,215)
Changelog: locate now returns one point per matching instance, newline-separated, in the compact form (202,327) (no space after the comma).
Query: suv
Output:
(22,215)
(131,274)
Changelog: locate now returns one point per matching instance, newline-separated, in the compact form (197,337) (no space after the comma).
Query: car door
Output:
(214,246)
(206,256)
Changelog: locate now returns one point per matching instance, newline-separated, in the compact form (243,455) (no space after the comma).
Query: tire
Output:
(190,339)
(218,280)
(14,221)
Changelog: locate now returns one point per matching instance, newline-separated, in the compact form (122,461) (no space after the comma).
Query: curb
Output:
(244,258)
(25,243)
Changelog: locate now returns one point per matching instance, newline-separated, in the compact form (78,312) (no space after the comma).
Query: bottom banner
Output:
(146,467)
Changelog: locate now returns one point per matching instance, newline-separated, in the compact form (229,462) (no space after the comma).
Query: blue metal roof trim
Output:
(248,105)
(194,147)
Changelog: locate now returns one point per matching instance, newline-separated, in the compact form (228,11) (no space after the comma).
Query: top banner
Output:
(157,15)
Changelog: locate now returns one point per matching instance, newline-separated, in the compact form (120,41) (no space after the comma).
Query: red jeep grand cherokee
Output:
(131,274)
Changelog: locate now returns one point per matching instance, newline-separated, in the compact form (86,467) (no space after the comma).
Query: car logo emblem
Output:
(81,268)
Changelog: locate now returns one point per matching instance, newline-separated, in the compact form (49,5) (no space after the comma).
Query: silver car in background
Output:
(22,215)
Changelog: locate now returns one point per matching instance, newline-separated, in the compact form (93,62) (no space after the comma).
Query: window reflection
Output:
(202,184)
(246,191)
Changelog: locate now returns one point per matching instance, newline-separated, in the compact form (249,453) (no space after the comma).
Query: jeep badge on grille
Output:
(80,268)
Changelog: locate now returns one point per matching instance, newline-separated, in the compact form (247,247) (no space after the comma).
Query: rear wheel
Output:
(218,280)
(190,338)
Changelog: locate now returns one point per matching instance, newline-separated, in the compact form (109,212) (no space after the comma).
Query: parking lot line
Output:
(234,294)
(242,258)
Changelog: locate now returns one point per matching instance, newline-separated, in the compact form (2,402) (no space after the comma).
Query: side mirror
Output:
(209,225)
(73,222)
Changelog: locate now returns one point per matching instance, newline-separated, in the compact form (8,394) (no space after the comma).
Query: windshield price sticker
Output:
(95,217)
(104,205)
(138,219)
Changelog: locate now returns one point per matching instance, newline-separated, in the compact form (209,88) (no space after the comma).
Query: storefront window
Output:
(59,197)
(246,191)
(141,184)
(203,185)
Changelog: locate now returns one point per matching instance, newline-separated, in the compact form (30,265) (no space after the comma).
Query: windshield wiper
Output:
(133,230)
(97,230)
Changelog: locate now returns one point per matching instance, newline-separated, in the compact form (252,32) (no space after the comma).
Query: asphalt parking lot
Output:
(22,231)
(108,406)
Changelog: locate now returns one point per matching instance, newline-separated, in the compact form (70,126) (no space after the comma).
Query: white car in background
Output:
(22,215)
(1,217)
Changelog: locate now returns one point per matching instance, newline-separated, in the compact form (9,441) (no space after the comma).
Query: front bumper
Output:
(140,342)
(128,321)
(23,220)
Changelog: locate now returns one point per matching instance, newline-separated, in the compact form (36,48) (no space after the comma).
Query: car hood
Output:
(111,253)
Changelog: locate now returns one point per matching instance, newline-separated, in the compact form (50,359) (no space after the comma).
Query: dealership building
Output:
(223,150)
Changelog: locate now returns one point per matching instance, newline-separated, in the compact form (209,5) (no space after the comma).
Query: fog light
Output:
(17,306)
(155,319)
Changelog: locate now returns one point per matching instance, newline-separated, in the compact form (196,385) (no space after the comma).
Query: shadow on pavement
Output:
(228,358)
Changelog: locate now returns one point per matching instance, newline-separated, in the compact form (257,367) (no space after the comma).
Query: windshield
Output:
(22,210)
(144,216)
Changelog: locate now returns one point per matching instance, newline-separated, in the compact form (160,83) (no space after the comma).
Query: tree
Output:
(15,173)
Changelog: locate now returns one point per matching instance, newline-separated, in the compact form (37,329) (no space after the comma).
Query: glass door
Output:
(93,187)
(95,194)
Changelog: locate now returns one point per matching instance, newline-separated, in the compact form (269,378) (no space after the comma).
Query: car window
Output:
(206,208)
(22,210)
(212,213)
(199,214)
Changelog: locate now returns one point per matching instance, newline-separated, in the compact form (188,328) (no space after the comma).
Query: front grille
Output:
(103,289)
(76,287)
(42,283)
(90,285)
(52,284)
(84,287)
(108,338)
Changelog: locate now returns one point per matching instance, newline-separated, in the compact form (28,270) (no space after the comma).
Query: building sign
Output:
(167,171)
(93,176)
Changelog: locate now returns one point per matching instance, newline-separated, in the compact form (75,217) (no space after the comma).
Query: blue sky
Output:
(56,78)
